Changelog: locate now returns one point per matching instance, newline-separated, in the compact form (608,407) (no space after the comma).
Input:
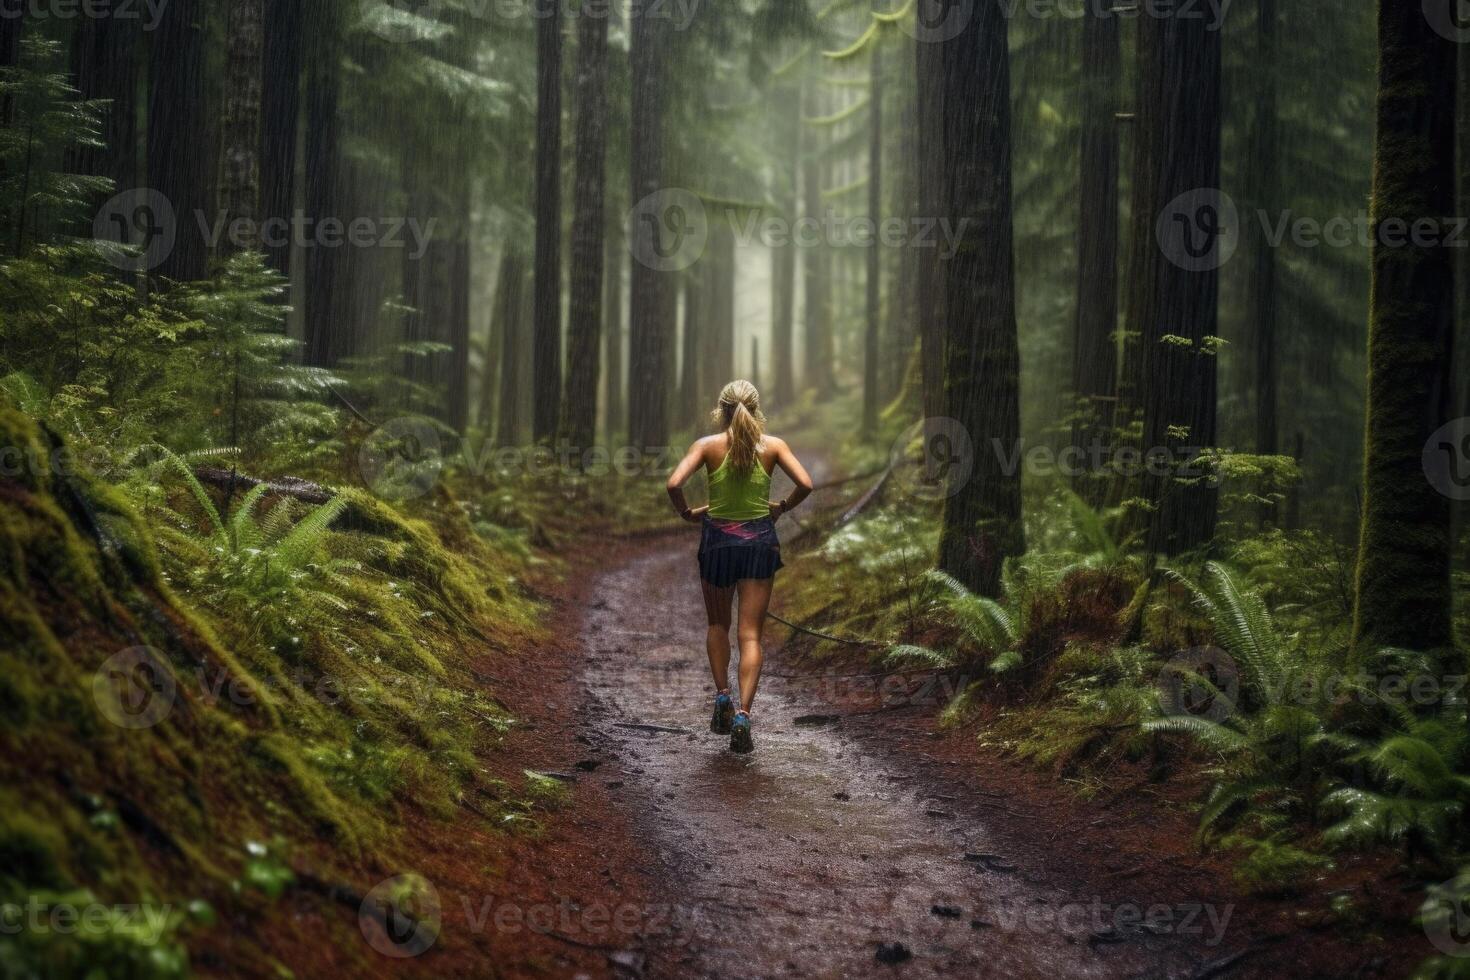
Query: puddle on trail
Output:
(803,857)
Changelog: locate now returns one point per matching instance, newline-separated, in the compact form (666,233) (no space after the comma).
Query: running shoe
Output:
(724,715)
(740,734)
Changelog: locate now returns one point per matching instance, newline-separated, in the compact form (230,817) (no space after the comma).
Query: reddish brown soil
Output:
(840,833)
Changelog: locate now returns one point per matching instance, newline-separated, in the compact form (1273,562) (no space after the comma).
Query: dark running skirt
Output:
(732,550)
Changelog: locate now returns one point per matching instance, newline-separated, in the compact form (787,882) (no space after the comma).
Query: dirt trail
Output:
(802,858)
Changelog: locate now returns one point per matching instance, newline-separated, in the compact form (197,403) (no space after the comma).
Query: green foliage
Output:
(46,119)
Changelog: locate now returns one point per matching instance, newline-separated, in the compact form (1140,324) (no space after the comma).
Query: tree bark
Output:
(325,302)
(816,267)
(783,262)
(692,360)
(508,314)
(929,168)
(650,360)
(179,134)
(1403,592)
(1095,325)
(589,216)
(280,110)
(1262,192)
(982,516)
(105,63)
(873,285)
(546,358)
(239,176)
(613,311)
(1180,279)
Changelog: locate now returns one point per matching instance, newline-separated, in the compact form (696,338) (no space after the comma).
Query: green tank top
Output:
(735,496)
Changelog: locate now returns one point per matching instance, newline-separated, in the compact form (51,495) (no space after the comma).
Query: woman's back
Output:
(735,495)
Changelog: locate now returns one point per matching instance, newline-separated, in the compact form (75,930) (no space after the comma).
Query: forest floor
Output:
(856,824)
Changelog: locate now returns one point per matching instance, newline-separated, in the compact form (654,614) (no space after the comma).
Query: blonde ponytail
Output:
(739,415)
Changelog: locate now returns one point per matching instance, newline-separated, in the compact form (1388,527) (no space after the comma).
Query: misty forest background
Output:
(196,426)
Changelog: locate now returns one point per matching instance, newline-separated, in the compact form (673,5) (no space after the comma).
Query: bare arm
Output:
(687,467)
(792,467)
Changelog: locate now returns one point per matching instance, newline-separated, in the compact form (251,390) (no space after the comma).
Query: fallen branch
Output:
(826,636)
(289,486)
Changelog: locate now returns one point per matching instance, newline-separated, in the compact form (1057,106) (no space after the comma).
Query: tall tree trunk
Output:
(613,311)
(717,352)
(783,262)
(1179,178)
(982,516)
(547,351)
(459,270)
(692,360)
(929,168)
(873,285)
(1094,347)
(816,266)
(179,142)
(325,301)
(1263,197)
(239,176)
(589,217)
(650,320)
(1403,576)
(106,63)
(280,110)
(509,316)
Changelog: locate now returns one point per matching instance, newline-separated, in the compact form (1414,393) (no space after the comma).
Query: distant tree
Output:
(280,112)
(579,426)
(105,64)
(1095,321)
(1403,576)
(873,286)
(180,134)
(929,167)
(546,355)
(239,176)
(509,315)
(1176,189)
(613,333)
(1262,192)
(791,137)
(326,299)
(693,370)
(651,302)
(816,265)
(982,516)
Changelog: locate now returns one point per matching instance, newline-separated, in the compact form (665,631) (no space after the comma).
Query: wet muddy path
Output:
(814,854)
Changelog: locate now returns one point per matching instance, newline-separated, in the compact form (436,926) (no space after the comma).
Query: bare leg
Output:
(717,640)
(755,596)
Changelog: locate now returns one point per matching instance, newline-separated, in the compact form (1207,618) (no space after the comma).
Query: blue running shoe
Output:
(724,715)
(740,734)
